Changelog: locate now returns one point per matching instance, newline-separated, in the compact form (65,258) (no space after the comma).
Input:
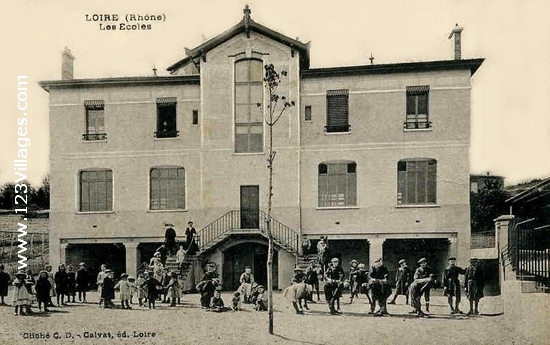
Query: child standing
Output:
(124,287)
(50,278)
(43,288)
(29,284)
(133,288)
(21,297)
(152,286)
(82,279)
(180,258)
(174,290)
(60,279)
(71,284)
(141,292)
(108,289)
(100,277)
(5,281)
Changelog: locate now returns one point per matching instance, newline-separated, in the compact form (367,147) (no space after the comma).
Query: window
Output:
(337,184)
(307,116)
(166,118)
(96,190)
(195,120)
(95,120)
(249,119)
(167,188)
(417,107)
(337,111)
(416,181)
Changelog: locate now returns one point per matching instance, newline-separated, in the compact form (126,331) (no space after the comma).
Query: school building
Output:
(375,156)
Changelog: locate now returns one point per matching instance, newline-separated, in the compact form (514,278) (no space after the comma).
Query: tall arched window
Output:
(416,181)
(96,190)
(248,115)
(167,188)
(337,184)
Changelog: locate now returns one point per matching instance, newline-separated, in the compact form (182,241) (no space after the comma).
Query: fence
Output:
(36,253)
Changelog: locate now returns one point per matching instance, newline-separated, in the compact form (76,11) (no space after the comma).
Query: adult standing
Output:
(82,282)
(190,239)
(5,281)
(474,283)
(170,240)
(208,285)
(100,277)
(163,250)
(323,254)
(403,278)
(451,285)
(424,271)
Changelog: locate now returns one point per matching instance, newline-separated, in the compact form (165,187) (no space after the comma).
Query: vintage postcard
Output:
(261,172)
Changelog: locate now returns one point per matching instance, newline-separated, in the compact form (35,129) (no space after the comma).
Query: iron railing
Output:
(216,231)
(337,128)
(94,136)
(528,251)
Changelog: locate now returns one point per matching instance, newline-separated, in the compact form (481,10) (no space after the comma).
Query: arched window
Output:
(167,188)
(96,190)
(249,118)
(416,181)
(337,184)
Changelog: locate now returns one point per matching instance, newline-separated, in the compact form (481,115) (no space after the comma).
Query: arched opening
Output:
(248,254)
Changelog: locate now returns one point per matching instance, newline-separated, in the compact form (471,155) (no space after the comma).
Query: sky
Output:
(510,109)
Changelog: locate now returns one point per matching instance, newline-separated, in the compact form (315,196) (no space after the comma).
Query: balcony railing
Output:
(337,128)
(94,136)
(167,134)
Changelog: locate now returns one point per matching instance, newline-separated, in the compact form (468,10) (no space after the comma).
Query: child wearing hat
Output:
(141,292)
(424,271)
(5,281)
(261,300)
(108,290)
(124,286)
(353,270)
(333,288)
(71,284)
(21,296)
(451,285)
(299,275)
(403,278)
(152,286)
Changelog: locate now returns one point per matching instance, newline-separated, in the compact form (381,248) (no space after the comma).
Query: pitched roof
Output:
(406,67)
(244,26)
(119,81)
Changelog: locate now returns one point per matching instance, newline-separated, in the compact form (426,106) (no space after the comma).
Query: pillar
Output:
(62,253)
(286,262)
(453,247)
(375,249)
(502,225)
(132,258)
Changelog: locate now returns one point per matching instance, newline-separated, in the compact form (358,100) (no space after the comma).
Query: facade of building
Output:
(375,157)
(479,182)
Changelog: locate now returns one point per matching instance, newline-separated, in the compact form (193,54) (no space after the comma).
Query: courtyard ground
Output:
(188,324)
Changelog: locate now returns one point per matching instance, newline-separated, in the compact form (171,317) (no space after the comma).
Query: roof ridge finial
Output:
(246,19)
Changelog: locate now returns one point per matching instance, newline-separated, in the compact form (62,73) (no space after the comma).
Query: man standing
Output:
(451,285)
(379,287)
(422,272)
(190,234)
(403,278)
(333,288)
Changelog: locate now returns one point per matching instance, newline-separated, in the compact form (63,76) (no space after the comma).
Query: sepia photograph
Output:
(275,172)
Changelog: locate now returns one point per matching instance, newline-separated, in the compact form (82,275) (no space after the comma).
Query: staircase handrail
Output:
(281,233)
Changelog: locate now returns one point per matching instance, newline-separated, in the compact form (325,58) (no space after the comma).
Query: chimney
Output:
(67,60)
(457,33)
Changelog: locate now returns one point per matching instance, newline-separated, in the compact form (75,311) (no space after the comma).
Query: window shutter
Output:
(165,100)
(417,90)
(337,108)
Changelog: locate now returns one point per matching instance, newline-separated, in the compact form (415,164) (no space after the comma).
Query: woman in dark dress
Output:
(190,234)
(5,281)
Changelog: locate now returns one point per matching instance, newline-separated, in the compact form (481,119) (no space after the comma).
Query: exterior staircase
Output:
(230,224)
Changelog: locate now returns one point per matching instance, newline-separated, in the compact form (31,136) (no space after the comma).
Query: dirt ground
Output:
(188,324)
